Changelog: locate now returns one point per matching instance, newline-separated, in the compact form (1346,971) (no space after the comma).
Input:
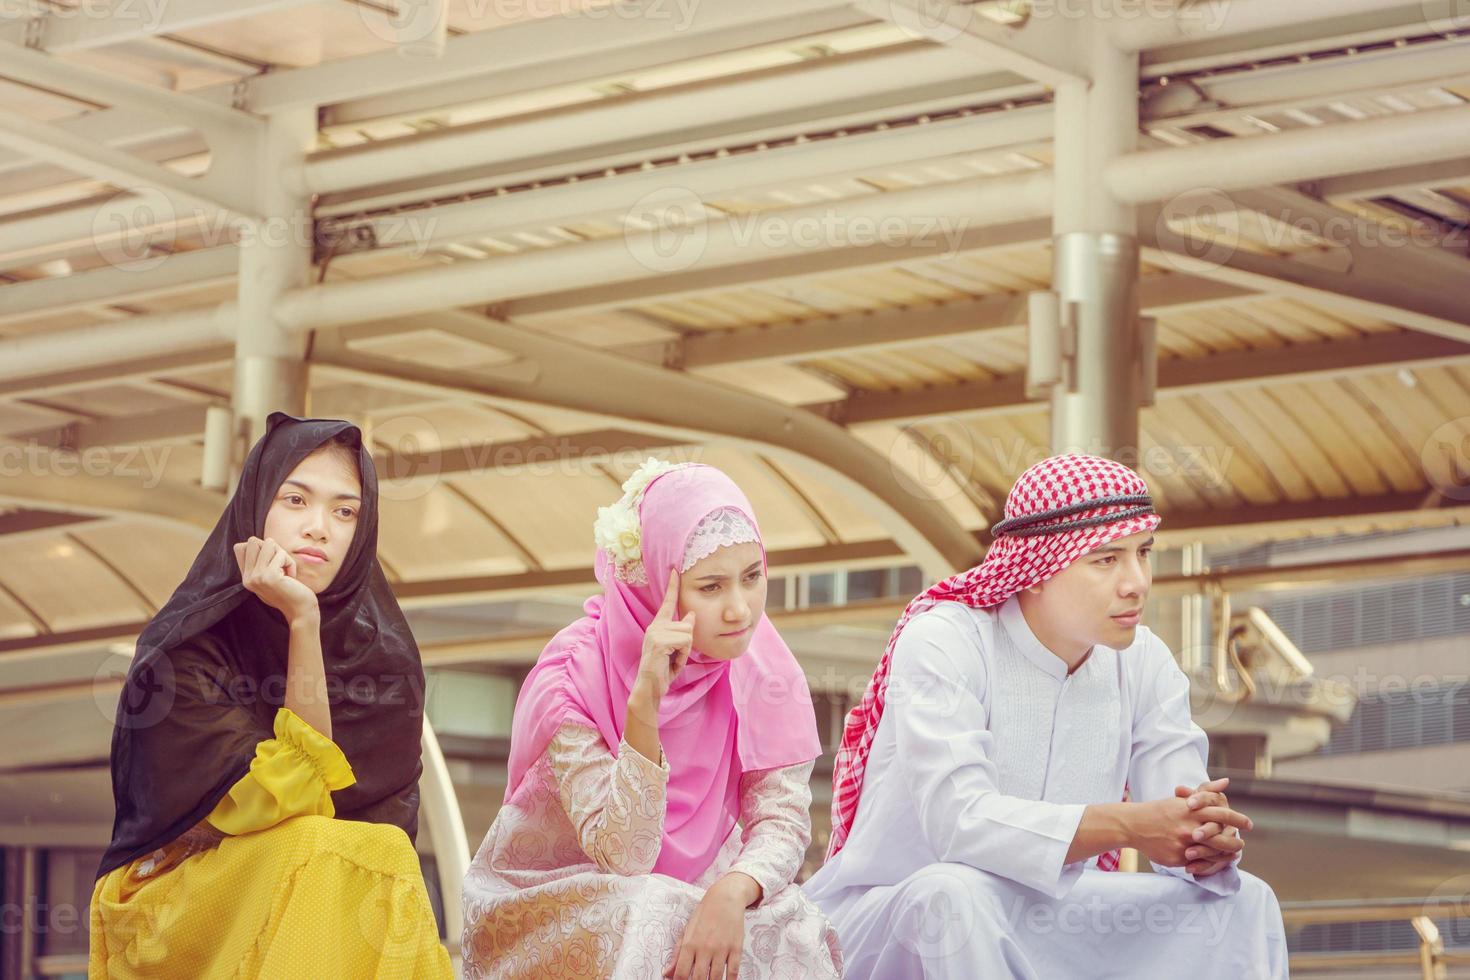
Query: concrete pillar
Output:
(1095,261)
(275,255)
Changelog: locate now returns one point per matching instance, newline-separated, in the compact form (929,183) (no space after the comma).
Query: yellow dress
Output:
(270,886)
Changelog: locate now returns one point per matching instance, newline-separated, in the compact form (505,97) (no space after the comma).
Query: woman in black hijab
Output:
(265,758)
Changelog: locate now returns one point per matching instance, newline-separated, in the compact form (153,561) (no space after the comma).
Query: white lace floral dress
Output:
(562,885)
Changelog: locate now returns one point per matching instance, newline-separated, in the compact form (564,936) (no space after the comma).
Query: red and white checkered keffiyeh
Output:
(1024,553)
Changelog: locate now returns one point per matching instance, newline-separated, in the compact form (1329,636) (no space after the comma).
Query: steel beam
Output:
(650,398)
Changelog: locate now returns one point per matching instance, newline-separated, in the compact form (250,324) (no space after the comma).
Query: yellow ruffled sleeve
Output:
(291,775)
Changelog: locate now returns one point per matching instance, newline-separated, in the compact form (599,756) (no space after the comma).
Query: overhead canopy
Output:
(858,213)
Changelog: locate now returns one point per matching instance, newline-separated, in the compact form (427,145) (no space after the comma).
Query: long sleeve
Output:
(946,748)
(1169,749)
(616,803)
(776,821)
(292,774)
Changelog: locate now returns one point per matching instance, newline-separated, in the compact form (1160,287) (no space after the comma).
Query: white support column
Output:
(1095,265)
(275,257)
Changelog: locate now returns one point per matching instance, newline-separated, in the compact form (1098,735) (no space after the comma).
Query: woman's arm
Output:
(775,814)
(269,572)
(615,804)
(640,729)
(306,675)
(666,646)
(293,774)
(255,772)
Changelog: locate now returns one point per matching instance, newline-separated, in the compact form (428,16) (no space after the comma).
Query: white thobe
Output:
(987,753)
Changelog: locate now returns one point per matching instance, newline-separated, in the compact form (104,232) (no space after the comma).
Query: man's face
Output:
(1088,602)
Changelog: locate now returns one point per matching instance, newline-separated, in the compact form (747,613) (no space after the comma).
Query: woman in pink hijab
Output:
(658,792)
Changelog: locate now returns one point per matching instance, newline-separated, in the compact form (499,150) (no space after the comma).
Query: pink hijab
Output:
(719,718)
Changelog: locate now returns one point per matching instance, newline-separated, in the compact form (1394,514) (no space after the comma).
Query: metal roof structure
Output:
(490,296)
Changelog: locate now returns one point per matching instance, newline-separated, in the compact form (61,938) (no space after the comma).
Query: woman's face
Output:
(314,516)
(726,591)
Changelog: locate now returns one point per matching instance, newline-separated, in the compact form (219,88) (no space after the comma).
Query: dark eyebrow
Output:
(1112,547)
(340,496)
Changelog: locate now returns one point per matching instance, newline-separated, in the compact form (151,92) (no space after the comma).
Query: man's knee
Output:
(952,892)
(943,910)
(1255,894)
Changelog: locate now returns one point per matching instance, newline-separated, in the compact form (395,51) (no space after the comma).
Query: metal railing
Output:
(1431,957)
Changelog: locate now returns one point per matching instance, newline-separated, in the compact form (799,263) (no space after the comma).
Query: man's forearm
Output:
(1104,827)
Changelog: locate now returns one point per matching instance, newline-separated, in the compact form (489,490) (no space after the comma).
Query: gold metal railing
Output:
(1431,957)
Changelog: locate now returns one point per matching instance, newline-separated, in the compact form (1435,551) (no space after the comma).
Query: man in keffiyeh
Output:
(1020,729)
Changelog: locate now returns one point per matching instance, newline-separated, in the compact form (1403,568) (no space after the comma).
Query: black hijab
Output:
(208,674)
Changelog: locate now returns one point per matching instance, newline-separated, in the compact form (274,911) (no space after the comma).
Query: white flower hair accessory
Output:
(617,530)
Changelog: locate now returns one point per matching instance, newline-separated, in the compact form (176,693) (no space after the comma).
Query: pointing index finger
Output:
(671,597)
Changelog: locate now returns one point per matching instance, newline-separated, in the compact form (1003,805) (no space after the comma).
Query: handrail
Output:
(1431,956)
